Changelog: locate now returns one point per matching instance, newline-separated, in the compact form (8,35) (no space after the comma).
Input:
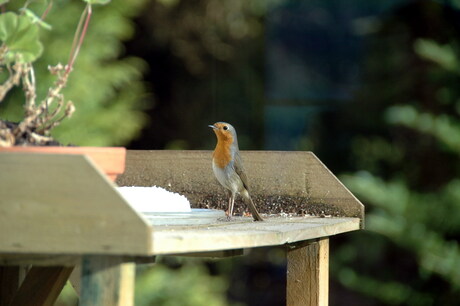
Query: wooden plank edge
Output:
(180,242)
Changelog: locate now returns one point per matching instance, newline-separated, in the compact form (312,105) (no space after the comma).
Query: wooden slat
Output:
(246,234)
(279,181)
(75,279)
(106,280)
(308,274)
(111,160)
(42,286)
(62,204)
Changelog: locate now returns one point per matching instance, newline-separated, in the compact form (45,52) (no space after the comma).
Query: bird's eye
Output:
(225,127)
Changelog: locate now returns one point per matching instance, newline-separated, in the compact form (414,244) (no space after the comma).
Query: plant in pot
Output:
(20,48)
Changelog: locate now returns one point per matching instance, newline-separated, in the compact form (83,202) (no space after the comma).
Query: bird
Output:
(227,166)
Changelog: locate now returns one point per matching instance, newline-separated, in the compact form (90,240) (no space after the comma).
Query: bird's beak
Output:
(212,126)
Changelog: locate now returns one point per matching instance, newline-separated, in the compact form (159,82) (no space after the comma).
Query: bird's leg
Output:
(231,202)
(228,206)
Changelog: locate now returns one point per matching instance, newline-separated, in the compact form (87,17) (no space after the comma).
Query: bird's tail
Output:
(248,200)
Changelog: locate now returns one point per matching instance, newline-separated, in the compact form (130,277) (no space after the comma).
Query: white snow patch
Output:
(154,199)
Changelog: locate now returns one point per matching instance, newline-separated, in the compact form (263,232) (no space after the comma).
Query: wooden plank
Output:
(111,160)
(279,181)
(67,201)
(41,286)
(75,279)
(127,281)
(308,274)
(106,280)
(246,234)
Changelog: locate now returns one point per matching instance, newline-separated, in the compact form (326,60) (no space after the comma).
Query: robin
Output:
(228,167)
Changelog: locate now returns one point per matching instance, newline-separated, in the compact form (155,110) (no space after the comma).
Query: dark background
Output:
(365,86)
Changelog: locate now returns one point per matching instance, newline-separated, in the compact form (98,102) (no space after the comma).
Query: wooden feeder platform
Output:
(58,212)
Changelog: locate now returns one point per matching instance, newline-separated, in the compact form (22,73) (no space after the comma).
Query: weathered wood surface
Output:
(308,273)
(246,234)
(111,160)
(289,182)
(213,239)
(62,204)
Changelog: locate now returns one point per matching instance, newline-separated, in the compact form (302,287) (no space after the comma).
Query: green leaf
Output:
(443,55)
(4,1)
(7,21)
(103,2)
(21,37)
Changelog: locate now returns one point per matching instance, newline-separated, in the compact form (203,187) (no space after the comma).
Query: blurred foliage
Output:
(105,86)
(67,297)
(410,253)
(20,35)
(444,127)
(189,285)
(205,56)
(195,31)
(236,281)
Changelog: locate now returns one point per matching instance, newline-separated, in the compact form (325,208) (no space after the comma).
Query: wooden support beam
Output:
(308,273)
(41,286)
(107,280)
(75,279)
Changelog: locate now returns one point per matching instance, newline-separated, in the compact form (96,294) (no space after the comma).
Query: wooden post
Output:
(75,279)
(308,273)
(106,280)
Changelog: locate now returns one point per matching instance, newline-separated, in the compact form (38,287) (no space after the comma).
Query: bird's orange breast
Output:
(222,153)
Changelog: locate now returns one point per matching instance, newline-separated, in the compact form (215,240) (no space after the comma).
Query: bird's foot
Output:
(227,218)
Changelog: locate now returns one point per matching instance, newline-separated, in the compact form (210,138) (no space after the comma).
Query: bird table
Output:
(59,214)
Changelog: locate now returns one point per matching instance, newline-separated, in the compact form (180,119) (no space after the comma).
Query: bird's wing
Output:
(239,169)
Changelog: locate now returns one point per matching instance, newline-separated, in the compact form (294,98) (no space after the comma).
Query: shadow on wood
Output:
(42,285)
